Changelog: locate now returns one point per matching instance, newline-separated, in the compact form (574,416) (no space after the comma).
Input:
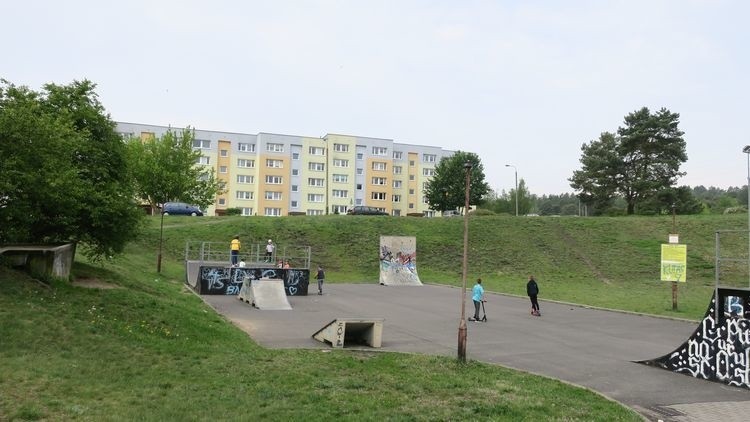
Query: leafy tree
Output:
(642,159)
(447,189)
(63,173)
(526,201)
(165,170)
(681,198)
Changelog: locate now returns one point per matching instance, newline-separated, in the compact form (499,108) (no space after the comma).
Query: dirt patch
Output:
(94,283)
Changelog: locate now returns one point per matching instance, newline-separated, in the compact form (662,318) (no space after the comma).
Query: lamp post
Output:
(462,324)
(515,171)
(746,150)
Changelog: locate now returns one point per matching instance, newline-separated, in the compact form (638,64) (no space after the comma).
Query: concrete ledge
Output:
(48,259)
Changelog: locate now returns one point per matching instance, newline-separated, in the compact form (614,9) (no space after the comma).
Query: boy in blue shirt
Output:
(477,295)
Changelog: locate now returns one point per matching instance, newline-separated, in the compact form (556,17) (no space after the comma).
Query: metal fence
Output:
(732,260)
(255,255)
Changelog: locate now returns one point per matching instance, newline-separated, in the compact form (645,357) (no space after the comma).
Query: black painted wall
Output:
(228,281)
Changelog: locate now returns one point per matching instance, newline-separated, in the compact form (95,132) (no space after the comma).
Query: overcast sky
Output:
(517,82)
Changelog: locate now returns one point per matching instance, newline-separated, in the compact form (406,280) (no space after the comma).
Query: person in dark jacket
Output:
(321,276)
(532,289)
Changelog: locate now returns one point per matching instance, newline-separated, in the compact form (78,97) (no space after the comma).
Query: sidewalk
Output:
(588,347)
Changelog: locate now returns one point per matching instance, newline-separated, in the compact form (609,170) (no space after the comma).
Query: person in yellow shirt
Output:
(234,247)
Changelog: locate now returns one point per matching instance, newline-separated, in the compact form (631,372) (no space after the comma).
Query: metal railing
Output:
(255,255)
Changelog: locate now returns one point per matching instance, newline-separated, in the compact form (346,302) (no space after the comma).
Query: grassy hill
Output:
(149,350)
(607,262)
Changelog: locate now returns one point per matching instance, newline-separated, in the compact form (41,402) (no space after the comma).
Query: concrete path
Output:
(587,347)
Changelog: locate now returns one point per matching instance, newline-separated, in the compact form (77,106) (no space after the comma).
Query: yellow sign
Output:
(673,262)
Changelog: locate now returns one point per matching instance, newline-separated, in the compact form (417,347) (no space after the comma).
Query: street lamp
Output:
(462,324)
(746,150)
(515,171)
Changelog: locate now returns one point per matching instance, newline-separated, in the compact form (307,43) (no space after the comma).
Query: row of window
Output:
(271,163)
(341,209)
(275,147)
(320,182)
(315,197)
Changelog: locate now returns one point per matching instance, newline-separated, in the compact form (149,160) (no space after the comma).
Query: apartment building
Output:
(270,174)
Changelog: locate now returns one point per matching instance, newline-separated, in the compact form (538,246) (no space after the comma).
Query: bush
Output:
(233,211)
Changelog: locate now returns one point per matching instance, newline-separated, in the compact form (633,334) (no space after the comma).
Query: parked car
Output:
(363,210)
(181,208)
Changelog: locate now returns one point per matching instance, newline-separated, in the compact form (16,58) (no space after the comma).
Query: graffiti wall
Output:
(398,261)
(214,280)
(719,350)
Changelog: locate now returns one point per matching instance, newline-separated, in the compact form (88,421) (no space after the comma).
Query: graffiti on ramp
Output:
(398,261)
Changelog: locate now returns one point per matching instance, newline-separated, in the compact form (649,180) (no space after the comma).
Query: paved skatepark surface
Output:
(588,347)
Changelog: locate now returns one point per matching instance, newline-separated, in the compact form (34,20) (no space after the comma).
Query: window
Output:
(411,163)
(341,147)
(338,162)
(396,213)
(295,204)
(429,158)
(270,147)
(224,153)
(223,169)
(411,205)
(411,177)
(379,165)
(397,184)
(379,151)
(359,156)
(201,144)
(317,166)
(222,201)
(424,200)
(245,147)
(340,178)
(398,169)
(248,164)
(272,195)
(295,188)
(396,198)
(272,212)
(360,171)
(273,180)
(245,194)
(340,209)
(295,172)
(339,193)
(202,160)
(379,181)
(314,181)
(424,185)
(275,164)
(314,212)
(397,155)
(317,151)
(314,197)
(295,156)
(378,196)
(359,186)
(411,191)
(247,211)
(428,172)
(244,179)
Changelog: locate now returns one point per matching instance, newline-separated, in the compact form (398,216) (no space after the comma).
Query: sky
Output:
(524,83)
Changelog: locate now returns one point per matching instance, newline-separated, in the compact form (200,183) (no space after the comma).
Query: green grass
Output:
(149,350)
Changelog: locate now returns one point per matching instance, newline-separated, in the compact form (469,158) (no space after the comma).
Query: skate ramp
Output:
(719,349)
(265,294)
(398,261)
(343,332)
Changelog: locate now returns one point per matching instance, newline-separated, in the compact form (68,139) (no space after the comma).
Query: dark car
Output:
(181,208)
(363,210)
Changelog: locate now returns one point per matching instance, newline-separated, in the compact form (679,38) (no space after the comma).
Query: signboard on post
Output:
(674,262)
